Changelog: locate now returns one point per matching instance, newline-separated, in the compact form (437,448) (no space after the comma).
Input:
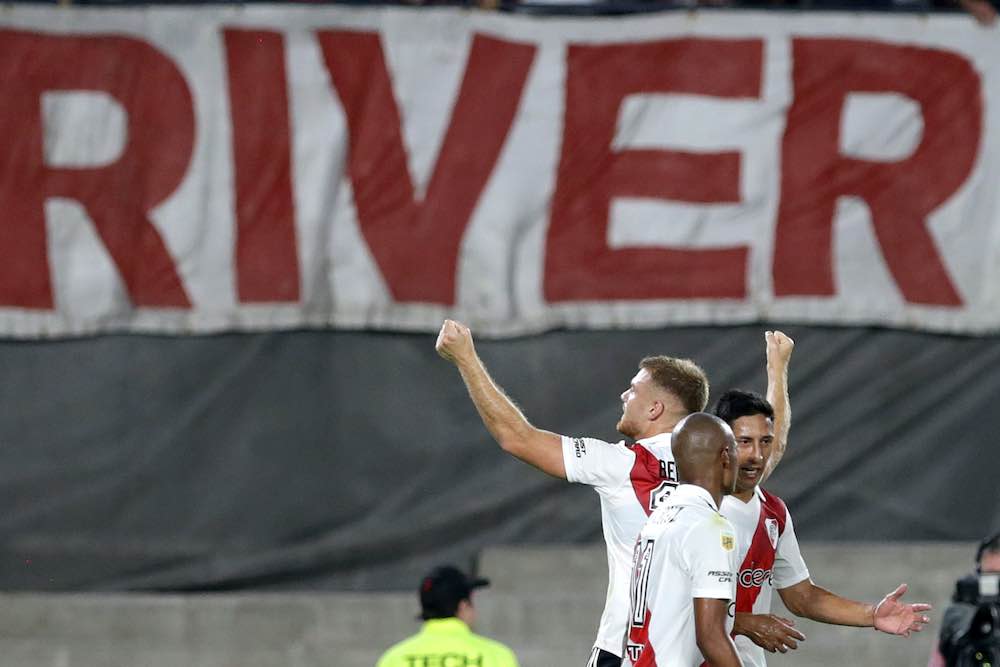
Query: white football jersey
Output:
(631,480)
(686,550)
(769,558)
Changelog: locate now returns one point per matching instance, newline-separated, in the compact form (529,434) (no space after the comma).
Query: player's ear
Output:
(727,460)
(655,410)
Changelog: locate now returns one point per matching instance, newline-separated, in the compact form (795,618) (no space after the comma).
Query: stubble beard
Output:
(625,428)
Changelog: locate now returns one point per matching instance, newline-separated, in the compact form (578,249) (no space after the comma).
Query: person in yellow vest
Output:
(446,638)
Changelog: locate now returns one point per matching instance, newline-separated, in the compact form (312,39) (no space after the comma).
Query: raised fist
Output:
(779,348)
(454,343)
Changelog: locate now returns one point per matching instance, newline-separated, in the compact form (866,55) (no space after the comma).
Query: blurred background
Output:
(230,232)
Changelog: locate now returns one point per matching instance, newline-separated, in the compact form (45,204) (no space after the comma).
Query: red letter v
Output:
(415,243)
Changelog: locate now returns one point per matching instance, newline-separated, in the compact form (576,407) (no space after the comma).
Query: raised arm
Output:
(981,10)
(710,633)
(890,615)
(505,422)
(779,352)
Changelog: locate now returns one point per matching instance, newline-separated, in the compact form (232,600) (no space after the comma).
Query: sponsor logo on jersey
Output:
(753,578)
(580,446)
(728,542)
(772,531)
(724,576)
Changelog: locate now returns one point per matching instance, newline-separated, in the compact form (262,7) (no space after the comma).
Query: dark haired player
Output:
(769,554)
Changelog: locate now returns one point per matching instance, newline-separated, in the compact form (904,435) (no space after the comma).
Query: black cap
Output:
(443,588)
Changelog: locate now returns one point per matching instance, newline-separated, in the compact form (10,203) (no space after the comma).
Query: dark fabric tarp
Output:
(332,460)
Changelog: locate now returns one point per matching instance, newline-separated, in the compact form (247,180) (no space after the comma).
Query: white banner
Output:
(198,170)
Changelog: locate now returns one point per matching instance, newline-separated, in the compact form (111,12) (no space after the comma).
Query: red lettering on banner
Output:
(579,264)
(267,262)
(899,194)
(416,243)
(118,197)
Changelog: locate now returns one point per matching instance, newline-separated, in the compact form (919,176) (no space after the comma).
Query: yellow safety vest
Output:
(447,642)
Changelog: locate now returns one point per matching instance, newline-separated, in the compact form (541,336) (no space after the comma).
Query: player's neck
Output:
(648,433)
(659,427)
(713,487)
(745,496)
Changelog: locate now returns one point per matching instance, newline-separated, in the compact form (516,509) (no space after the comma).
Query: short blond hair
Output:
(681,377)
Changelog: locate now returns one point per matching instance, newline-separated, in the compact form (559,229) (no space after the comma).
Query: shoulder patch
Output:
(772,531)
(774,507)
(728,542)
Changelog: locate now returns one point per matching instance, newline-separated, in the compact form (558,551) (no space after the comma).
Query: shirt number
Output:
(640,581)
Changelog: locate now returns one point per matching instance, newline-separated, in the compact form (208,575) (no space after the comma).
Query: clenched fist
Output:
(779,348)
(454,343)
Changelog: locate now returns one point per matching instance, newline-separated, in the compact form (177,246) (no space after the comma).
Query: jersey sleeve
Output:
(789,568)
(710,553)
(600,464)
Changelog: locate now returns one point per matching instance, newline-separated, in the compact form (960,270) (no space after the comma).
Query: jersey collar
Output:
(758,494)
(694,494)
(659,438)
